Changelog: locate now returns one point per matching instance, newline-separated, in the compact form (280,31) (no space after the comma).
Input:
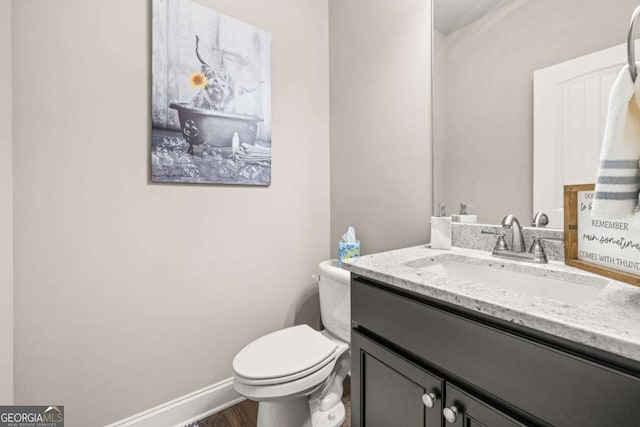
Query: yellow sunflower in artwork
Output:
(198,80)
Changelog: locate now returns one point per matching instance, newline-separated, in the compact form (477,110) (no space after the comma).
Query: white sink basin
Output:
(532,280)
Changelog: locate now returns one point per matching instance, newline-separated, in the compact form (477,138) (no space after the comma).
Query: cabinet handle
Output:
(450,414)
(429,400)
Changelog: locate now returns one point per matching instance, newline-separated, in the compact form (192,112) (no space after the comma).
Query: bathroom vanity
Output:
(435,347)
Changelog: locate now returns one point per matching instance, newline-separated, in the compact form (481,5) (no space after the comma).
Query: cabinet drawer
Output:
(551,385)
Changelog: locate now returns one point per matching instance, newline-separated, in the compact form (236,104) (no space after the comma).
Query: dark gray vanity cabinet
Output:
(482,371)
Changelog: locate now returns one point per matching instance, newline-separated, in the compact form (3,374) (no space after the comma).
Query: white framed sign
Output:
(607,247)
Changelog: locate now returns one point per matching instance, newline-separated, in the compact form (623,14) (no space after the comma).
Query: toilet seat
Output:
(284,355)
(290,362)
(288,378)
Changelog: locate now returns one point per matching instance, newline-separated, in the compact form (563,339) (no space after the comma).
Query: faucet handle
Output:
(501,244)
(536,247)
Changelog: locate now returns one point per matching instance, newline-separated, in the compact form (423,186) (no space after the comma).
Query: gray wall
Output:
(380,121)
(486,156)
(6,209)
(130,294)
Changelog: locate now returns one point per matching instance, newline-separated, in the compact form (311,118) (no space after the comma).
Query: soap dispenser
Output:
(464,216)
(441,229)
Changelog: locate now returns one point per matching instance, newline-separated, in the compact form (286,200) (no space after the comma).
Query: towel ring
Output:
(631,54)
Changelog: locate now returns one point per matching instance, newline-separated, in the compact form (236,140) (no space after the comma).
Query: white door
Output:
(570,110)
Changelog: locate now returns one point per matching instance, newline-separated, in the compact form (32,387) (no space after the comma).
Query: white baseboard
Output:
(186,409)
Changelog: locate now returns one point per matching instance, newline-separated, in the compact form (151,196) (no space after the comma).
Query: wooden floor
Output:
(245,414)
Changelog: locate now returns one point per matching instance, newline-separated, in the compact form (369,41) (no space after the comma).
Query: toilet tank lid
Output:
(283,353)
(331,270)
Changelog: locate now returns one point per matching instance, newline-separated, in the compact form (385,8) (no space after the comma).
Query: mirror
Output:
(503,144)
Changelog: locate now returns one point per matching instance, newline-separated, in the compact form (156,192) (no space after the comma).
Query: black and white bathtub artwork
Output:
(211,97)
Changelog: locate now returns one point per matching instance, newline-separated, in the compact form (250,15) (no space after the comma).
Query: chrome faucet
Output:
(517,241)
(518,251)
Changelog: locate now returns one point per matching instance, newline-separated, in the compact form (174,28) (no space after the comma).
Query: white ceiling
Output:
(450,15)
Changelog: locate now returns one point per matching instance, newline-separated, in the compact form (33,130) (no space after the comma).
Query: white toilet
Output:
(296,373)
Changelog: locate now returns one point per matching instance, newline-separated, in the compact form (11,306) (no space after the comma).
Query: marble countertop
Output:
(610,322)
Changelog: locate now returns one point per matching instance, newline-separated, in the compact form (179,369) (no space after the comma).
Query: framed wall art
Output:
(610,248)
(211,97)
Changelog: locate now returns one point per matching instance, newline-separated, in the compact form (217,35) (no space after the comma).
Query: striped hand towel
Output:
(618,181)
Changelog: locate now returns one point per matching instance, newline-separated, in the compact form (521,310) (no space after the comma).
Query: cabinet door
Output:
(388,390)
(464,410)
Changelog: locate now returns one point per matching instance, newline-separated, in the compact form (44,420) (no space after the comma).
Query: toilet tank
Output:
(335,299)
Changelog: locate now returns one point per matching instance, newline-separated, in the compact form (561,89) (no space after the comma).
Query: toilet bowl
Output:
(296,373)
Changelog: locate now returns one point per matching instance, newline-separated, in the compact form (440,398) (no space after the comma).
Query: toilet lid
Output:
(283,353)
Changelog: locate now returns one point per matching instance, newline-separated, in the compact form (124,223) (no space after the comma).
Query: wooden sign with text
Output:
(606,247)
